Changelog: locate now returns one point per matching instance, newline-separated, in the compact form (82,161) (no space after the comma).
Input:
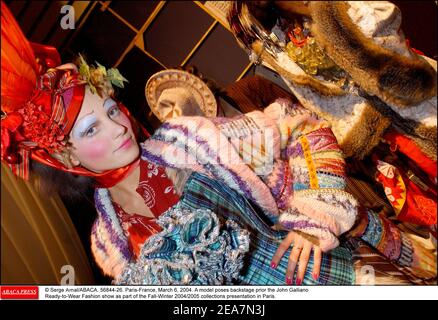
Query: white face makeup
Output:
(102,135)
(87,124)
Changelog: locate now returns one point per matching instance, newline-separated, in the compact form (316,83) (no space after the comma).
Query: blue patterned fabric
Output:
(203,192)
(194,248)
(374,231)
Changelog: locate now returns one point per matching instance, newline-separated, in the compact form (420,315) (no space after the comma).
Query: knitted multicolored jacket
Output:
(315,202)
(285,160)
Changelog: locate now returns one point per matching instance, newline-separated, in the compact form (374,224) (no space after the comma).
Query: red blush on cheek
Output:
(96,151)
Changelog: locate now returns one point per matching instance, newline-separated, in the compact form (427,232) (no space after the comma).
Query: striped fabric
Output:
(372,268)
(403,249)
(202,192)
(21,169)
(368,197)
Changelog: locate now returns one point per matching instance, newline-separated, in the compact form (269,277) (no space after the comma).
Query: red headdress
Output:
(40,100)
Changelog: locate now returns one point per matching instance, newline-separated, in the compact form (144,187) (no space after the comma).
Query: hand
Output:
(299,255)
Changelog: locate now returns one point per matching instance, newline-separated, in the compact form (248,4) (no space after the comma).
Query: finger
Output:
(282,248)
(292,263)
(317,259)
(304,260)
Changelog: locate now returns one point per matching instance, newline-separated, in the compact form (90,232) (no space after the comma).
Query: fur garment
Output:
(393,86)
(397,80)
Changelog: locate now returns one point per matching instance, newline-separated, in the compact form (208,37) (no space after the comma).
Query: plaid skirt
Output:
(202,192)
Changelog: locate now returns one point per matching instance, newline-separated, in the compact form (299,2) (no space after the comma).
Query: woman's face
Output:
(102,136)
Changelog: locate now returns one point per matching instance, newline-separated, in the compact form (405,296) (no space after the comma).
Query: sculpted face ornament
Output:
(176,102)
(173,93)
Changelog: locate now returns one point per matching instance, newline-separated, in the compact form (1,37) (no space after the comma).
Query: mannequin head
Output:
(175,102)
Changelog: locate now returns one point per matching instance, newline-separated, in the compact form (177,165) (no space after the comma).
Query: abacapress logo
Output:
(19,292)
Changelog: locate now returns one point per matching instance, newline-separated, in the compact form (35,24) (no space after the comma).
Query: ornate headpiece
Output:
(40,99)
(99,75)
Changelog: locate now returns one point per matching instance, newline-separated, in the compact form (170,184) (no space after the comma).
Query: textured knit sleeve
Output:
(109,245)
(109,260)
(310,156)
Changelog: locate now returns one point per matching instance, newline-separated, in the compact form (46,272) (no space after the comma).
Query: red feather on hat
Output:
(18,64)
(21,64)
